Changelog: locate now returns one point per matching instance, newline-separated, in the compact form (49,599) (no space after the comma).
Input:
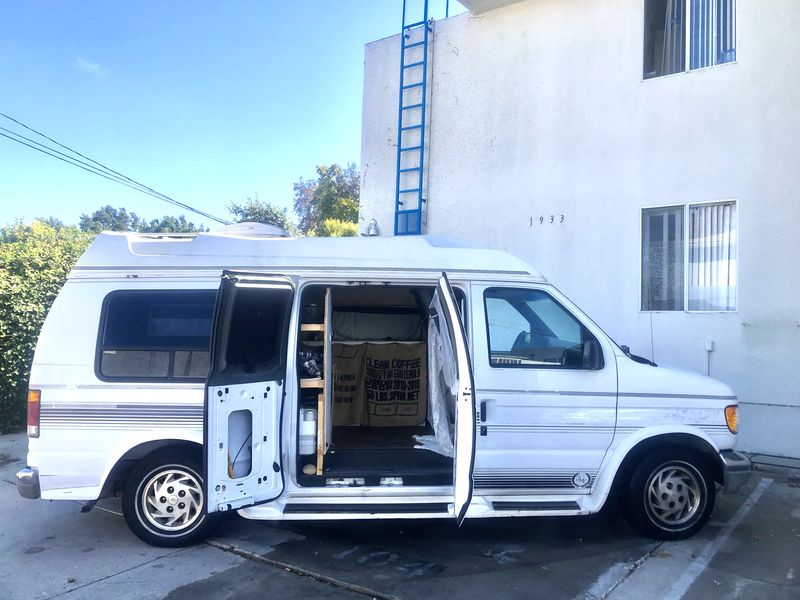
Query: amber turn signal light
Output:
(732,417)
(34,402)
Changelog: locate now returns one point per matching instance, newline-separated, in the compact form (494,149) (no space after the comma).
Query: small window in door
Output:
(254,344)
(527,328)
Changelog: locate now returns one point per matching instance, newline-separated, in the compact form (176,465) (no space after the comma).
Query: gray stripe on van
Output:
(621,394)
(543,392)
(690,396)
(524,479)
(122,416)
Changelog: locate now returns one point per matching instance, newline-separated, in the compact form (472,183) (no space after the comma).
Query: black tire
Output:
(163,501)
(670,495)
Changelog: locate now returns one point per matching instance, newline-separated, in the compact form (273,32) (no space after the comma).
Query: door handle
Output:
(483,411)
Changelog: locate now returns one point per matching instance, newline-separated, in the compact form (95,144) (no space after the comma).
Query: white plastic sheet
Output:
(442,384)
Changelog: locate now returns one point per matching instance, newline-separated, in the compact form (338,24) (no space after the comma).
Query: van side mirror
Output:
(592,358)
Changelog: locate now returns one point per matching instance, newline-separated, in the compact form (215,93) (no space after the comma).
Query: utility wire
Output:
(110,172)
(71,159)
(80,166)
(74,163)
(151,191)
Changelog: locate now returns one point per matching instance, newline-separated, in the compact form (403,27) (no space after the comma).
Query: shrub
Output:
(34,262)
(338,228)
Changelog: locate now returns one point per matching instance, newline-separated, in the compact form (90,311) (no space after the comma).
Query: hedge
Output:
(34,262)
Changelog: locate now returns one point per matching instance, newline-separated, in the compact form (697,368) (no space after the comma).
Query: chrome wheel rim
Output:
(172,500)
(674,494)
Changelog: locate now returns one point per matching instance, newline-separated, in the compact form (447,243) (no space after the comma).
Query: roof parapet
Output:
(479,6)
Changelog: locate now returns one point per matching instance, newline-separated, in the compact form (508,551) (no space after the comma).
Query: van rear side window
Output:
(155,334)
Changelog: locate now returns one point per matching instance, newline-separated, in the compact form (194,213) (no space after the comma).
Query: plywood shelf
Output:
(312,382)
(324,394)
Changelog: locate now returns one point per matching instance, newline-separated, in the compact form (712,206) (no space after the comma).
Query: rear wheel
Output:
(163,501)
(670,495)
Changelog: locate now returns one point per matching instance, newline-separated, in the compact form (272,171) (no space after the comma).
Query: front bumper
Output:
(28,483)
(736,469)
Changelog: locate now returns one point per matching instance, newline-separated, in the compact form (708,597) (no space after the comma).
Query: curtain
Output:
(662,258)
(712,257)
(710,19)
(726,31)
(701,34)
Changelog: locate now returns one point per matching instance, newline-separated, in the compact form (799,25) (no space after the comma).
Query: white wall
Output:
(539,109)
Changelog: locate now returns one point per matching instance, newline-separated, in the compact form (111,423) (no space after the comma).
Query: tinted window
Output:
(156,334)
(528,328)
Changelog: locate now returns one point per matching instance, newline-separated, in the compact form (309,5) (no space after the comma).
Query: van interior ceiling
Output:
(390,415)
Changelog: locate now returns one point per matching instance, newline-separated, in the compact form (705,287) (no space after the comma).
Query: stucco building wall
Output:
(539,108)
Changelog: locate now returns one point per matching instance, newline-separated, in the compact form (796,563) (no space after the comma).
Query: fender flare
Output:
(134,441)
(621,449)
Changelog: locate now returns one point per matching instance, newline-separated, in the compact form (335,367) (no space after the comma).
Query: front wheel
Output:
(670,495)
(163,501)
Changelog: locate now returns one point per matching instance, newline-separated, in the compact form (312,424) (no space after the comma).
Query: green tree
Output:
(167,224)
(256,211)
(303,205)
(338,228)
(333,195)
(34,262)
(52,222)
(108,218)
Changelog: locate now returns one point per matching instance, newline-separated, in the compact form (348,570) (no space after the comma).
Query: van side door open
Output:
(449,323)
(245,391)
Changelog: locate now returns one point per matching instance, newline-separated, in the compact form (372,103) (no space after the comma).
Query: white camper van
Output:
(366,378)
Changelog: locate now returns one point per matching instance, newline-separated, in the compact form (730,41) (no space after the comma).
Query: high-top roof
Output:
(226,250)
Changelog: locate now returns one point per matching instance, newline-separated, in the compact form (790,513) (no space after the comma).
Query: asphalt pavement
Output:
(749,549)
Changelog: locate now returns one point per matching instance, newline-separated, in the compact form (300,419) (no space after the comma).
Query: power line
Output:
(80,166)
(139,186)
(73,161)
(110,170)
(18,137)
(104,171)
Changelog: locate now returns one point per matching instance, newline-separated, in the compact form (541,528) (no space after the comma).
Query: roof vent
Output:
(248,229)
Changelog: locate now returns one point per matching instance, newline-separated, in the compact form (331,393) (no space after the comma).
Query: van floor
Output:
(351,437)
(372,453)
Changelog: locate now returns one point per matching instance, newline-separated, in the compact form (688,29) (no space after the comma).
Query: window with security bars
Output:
(689,257)
(705,30)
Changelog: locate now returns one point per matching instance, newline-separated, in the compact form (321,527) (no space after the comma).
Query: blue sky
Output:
(207,102)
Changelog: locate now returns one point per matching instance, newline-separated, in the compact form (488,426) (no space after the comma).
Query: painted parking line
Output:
(609,580)
(676,574)
(698,565)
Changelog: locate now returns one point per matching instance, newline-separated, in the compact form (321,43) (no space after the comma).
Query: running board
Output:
(372,509)
(538,505)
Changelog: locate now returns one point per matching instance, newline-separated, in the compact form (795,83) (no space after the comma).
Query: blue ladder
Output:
(409,198)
